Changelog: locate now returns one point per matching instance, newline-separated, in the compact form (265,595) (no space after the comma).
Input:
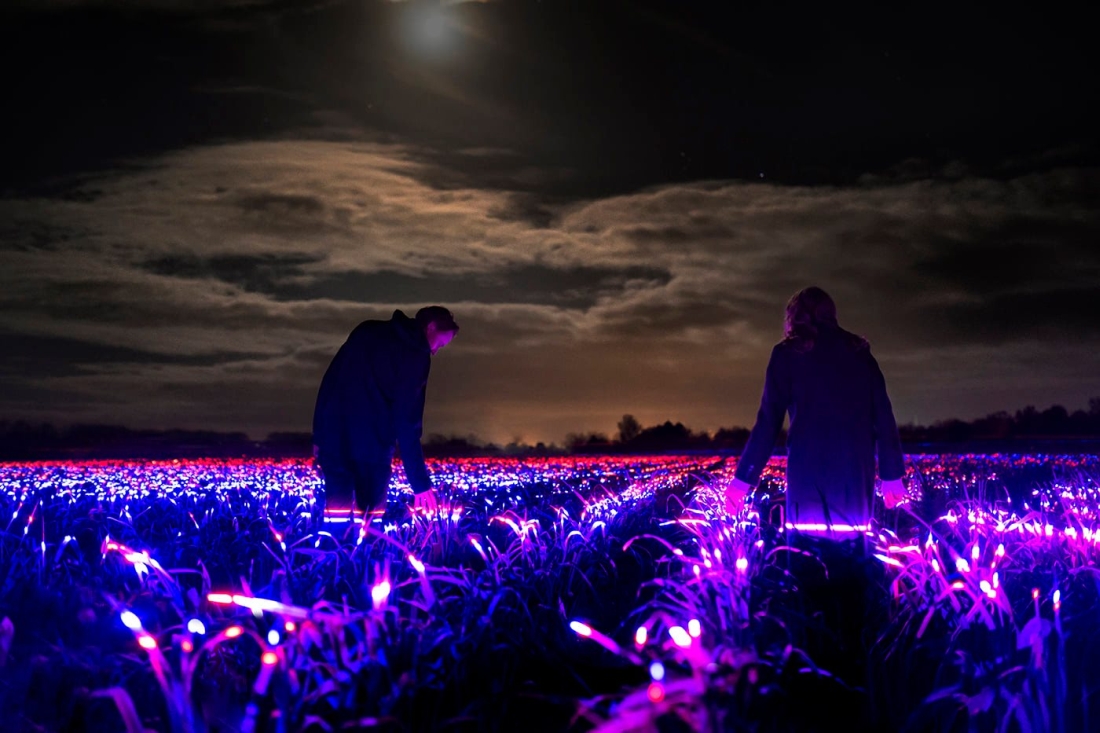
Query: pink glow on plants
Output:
(890,561)
(688,542)
(822,527)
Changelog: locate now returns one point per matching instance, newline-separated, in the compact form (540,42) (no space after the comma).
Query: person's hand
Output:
(894,493)
(426,503)
(736,491)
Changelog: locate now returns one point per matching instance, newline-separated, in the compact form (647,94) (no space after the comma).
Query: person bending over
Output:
(371,398)
(826,378)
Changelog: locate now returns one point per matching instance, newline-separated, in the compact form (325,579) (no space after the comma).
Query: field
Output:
(596,593)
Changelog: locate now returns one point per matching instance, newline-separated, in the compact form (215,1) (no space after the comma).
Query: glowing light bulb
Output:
(655,692)
(680,637)
(130,620)
(380,592)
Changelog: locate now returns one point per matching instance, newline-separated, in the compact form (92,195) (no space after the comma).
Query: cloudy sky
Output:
(200,199)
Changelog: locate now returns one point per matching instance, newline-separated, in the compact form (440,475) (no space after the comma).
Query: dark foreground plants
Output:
(607,594)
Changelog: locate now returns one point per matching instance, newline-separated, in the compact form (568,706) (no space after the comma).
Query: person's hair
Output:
(443,319)
(808,311)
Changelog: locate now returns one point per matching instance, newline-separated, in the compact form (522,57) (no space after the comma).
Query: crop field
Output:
(602,593)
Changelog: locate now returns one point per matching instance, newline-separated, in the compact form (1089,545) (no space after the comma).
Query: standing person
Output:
(371,397)
(826,378)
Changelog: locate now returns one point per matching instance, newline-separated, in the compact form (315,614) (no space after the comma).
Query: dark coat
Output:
(840,413)
(372,396)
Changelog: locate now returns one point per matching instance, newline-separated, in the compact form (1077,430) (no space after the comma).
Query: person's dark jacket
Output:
(840,413)
(372,396)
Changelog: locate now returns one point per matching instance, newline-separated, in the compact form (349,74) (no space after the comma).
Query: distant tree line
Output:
(24,441)
(21,440)
(1055,423)
(667,436)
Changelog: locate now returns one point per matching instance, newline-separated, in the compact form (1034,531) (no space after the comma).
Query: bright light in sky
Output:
(428,28)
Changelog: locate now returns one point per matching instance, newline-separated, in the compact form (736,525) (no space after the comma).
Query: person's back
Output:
(831,385)
(381,362)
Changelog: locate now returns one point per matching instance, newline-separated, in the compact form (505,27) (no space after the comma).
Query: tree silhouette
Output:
(629,429)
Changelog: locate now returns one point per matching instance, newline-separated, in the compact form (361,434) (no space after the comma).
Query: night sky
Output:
(200,199)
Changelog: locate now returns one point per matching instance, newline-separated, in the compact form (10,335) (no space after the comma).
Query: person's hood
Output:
(409,331)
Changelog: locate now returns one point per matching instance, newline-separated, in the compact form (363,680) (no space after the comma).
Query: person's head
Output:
(439,326)
(808,312)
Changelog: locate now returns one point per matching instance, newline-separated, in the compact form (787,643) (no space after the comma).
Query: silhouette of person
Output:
(371,397)
(826,378)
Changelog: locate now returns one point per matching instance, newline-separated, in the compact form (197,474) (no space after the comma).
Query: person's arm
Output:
(410,427)
(769,420)
(891,461)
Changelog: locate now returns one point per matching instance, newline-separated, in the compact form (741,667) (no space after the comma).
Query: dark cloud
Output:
(281,204)
(1056,315)
(663,302)
(616,199)
(645,94)
(286,278)
(35,358)
(575,287)
(265,273)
